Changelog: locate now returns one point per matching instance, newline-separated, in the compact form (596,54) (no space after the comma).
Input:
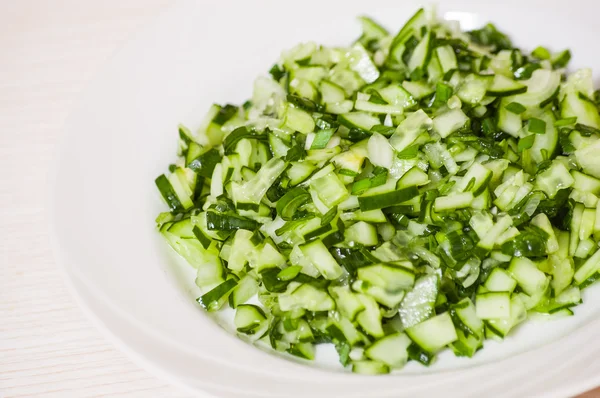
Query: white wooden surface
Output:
(49,50)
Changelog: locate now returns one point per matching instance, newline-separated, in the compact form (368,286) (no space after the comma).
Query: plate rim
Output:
(61,258)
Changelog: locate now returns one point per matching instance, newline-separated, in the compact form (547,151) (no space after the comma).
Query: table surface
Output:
(50,51)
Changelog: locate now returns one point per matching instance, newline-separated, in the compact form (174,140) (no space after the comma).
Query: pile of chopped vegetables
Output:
(413,192)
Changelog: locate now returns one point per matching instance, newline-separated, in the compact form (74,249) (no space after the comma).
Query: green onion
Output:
(291,201)
(295,153)
(565,122)
(443,92)
(322,138)
(277,72)
(537,126)
(409,153)
(289,273)
(361,186)
(541,53)
(515,107)
(526,143)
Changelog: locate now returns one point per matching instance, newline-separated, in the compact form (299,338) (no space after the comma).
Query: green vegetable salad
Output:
(414,192)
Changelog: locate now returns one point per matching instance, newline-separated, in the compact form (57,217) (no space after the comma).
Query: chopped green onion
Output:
(565,122)
(289,273)
(537,126)
(361,186)
(295,153)
(322,139)
(291,201)
(443,92)
(526,143)
(410,152)
(277,72)
(541,53)
(515,107)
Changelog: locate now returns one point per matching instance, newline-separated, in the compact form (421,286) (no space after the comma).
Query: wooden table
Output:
(49,50)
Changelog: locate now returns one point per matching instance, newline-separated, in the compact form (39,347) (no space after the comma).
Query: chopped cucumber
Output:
(408,192)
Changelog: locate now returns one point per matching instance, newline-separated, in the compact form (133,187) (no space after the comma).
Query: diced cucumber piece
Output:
(251,320)
(447,58)
(409,129)
(418,89)
(465,310)
(585,183)
(502,86)
(360,61)
(369,319)
(450,122)
(331,92)
(380,151)
(421,54)
(389,299)
(453,202)
(370,367)
(298,120)
(330,190)
(322,260)
(348,303)
(413,177)
(518,313)
(397,96)
(433,334)
(555,178)
(392,278)
(362,233)
(418,304)
(307,297)
(588,269)
(390,350)
(246,288)
(587,159)
(359,120)
(500,281)
(527,275)
(493,305)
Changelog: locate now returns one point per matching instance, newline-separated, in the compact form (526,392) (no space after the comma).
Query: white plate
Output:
(123,135)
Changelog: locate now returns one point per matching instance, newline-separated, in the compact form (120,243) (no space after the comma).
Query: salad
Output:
(416,191)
